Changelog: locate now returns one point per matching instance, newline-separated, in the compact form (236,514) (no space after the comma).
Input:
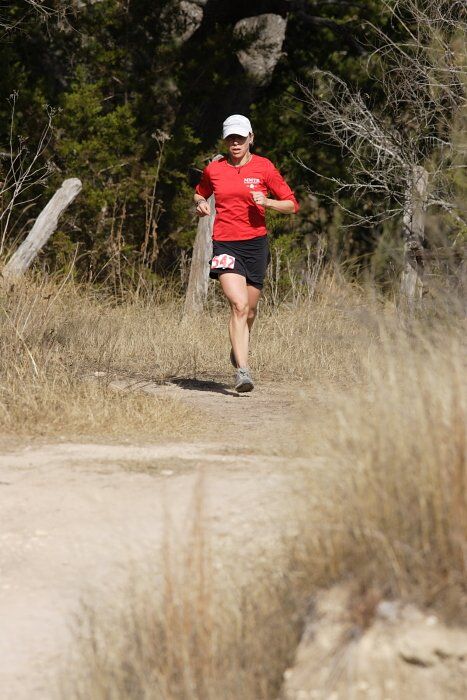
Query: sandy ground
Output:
(72,516)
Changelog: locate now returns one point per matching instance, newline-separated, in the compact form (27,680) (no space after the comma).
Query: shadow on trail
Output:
(204,385)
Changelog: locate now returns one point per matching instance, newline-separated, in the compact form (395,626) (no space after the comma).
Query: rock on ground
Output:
(400,653)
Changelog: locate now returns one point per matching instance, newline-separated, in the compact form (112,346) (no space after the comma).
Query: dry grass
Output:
(200,628)
(52,344)
(387,505)
(381,504)
(55,335)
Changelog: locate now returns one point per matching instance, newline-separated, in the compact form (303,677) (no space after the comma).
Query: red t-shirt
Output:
(237,215)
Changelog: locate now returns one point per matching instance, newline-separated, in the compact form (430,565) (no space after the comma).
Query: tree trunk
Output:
(413,229)
(198,280)
(43,228)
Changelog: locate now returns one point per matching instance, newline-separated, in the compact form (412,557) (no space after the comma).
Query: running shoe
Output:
(243,380)
(233,361)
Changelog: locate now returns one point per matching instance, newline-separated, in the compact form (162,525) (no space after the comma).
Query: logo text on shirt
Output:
(251,182)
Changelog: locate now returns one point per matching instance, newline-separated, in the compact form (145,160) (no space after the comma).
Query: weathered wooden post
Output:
(413,229)
(198,280)
(43,228)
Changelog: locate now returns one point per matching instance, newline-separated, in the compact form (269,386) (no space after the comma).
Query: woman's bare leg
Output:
(253,298)
(235,289)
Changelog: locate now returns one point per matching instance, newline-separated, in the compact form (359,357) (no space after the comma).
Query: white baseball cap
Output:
(236,124)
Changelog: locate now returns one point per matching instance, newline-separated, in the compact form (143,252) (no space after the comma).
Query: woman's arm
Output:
(202,192)
(285,206)
(285,201)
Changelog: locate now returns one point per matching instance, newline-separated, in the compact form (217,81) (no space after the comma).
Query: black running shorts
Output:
(249,258)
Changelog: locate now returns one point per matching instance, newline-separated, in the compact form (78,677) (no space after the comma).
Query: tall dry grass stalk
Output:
(387,504)
(198,628)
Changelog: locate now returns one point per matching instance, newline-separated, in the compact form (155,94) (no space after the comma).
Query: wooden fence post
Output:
(413,224)
(198,280)
(43,228)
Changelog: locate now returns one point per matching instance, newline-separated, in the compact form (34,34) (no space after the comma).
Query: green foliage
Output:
(98,142)
(141,112)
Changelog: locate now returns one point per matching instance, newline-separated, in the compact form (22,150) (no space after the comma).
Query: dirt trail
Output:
(72,516)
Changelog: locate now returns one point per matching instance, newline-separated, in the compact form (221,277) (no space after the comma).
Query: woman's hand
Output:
(202,208)
(260,198)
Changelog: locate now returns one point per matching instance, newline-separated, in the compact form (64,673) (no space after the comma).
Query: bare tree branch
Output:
(423,79)
(403,153)
(43,10)
(21,171)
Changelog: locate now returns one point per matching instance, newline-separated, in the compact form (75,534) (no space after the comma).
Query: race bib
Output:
(224,261)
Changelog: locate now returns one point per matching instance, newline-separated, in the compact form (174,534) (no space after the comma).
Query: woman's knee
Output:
(240,308)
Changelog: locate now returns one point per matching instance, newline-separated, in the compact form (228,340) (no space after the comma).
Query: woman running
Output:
(240,183)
